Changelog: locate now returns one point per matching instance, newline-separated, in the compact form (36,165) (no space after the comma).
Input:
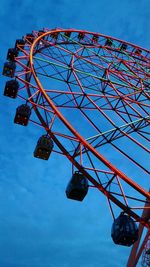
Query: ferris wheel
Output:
(91,95)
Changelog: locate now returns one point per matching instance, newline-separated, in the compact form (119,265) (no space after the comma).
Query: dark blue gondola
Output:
(22,116)
(44,147)
(29,38)
(19,44)
(11,88)
(12,54)
(124,230)
(77,187)
(9,69)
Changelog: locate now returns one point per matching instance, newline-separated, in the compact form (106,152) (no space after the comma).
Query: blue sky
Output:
(39,227)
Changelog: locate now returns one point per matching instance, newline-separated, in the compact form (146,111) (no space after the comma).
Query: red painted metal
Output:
(142,248)
(136,252)
(146,254)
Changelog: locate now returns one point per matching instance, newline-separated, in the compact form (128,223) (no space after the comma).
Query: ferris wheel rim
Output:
(82,140)
(30,73)
(42,89)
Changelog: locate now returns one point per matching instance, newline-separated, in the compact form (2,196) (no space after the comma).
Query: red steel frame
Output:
(146,253)
(98,79)
(136,251)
